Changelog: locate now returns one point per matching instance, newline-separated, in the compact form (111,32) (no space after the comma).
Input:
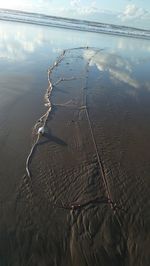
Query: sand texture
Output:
(84,199)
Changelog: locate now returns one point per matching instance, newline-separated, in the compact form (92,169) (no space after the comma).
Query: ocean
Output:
(73,24)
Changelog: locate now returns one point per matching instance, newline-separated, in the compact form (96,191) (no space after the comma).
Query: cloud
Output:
(82,9)
(75,3)
(132,12)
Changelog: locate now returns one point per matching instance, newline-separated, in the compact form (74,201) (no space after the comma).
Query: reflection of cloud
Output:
(57,50)
(124,44)
(124,77)
(17,46)
(147,85)
(19,41)
(118,68)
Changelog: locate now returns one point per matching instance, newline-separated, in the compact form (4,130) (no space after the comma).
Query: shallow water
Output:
(94,154)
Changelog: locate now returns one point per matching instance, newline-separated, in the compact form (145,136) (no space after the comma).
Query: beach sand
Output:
(85,197)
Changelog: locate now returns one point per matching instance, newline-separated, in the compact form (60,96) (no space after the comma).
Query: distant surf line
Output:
(72,24)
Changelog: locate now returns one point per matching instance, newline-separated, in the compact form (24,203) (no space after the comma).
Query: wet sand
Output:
(16,127)
(85,197)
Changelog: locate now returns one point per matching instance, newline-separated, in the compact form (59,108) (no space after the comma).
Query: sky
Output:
(134,13)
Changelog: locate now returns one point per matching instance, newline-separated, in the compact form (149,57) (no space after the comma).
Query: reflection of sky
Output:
(31,49)
(121,69)
(19,42)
